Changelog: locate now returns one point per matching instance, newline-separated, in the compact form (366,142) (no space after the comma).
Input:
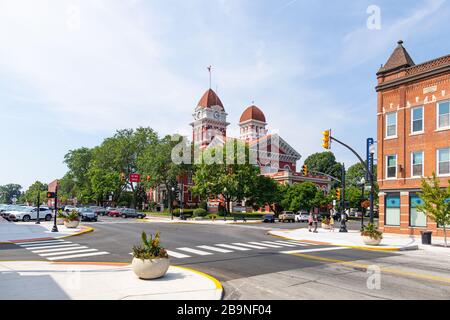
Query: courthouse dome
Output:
(253,113)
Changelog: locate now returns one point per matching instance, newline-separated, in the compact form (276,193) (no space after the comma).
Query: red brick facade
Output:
(402,89)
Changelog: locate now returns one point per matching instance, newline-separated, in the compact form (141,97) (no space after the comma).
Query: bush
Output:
(371,231)
(150,248)
(200,212)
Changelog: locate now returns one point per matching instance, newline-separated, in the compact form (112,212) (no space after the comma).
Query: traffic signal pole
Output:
(343,214)
(55,228)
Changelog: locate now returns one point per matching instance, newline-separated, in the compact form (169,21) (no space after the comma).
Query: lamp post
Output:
(55,228)
(372,190)
(362,184)
(226,203)
(170,201)
(343,227)
(38,207)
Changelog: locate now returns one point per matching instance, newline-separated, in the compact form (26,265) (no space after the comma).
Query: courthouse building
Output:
(413,124)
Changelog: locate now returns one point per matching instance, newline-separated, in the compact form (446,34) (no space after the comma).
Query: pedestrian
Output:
(310,222)
(316,221)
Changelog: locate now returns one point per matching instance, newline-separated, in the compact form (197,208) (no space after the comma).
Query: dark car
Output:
(100,211)
(87,214)
(268,218)
(131,213)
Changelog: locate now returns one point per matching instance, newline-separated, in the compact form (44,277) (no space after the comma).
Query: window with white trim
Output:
(417,120)
(392,211)
(391,166)
(443,163)
(443,112)
(417,164)
(416,218)
(391,124)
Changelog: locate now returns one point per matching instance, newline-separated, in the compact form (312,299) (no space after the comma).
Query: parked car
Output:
(109,209)
(87,214)
(116,212)
(268,218)
(287,216)
(302,216)
(100,211)
(29,213)
(71,208)
(131,213)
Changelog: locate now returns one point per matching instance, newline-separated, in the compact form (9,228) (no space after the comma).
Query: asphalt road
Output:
(259,269)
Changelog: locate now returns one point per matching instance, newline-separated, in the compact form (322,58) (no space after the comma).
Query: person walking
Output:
(316,221)
(331,223)
(310,222)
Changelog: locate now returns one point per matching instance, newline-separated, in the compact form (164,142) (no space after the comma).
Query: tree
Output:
(31,195)
(9,192)
(265,191)
(303,196)
(436,202)
(324,162)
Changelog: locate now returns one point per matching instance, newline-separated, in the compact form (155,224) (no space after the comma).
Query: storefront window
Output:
(416,217)
(392,217)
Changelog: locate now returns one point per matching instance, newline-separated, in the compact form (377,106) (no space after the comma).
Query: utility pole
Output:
(343,215)
(55,228)
(38,206)
(372,190)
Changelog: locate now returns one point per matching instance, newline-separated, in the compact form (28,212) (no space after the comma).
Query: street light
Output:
(226,203)
(170,202)
(362,183)
(38,206)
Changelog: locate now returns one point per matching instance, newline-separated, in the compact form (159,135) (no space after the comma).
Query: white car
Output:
(302,216)
(29,213)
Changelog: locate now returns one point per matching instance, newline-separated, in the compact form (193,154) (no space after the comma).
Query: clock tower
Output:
(210,119)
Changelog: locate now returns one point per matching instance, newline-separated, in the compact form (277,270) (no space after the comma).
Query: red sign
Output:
(135,177)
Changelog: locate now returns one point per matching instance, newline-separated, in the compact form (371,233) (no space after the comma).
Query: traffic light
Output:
(122,176)
(326,140)
(51,195)
(338,193)
(305,170)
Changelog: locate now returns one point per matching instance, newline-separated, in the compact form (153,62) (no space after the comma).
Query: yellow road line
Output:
(217,282)
(382,269)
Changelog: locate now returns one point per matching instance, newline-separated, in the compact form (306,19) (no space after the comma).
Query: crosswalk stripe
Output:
(294,243)
(65,252)
(214,249)
(313,250)
(38,242)
(81,255)
(50,247)
(177,254)
(199,252)
(302,243)
(43,244)
(74,247)
(232,247)
(266,244)
(249,245)
(280,244)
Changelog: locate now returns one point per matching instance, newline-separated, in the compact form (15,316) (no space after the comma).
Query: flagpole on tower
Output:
(209,69)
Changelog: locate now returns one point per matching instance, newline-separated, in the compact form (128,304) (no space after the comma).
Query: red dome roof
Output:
(210,99)
(253,113)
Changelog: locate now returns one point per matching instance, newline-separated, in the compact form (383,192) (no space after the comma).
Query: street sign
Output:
(135,177)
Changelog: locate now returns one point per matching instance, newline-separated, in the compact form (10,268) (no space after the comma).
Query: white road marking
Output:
(214,249)
(280,244)
(313,250)
(177,254)
(249,245)
(43,244)
(75,247)
(79,255)
(52,246)
(199,252)
(38,242)
(265,244)
(292,243)
(232,247)
(66,252)
(302,243)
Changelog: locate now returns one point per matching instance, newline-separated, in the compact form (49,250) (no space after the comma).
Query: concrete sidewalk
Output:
(26,280)
(351,239)
(11,232)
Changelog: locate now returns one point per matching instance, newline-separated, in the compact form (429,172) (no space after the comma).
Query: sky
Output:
(72,72)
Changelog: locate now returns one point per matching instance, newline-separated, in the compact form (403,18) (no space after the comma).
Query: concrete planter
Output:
(71,224)
(150,268)
(371,241)
(325,226)
(60,221)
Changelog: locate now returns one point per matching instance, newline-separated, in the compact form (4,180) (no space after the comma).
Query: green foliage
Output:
(150,248)
(200,212)
(72,216)
(436,202)
(266,191)
(324,162)
(10,191)
(31,195)
(303,196)
(371,231)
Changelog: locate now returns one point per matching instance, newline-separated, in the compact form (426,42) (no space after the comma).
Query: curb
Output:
(366,248)
(85,230)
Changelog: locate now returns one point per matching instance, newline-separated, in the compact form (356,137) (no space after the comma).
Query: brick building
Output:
(413,124)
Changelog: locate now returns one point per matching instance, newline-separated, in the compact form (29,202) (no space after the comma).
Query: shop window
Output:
(392,209)
(416,218)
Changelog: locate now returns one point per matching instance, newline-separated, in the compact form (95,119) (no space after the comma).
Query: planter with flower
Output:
(325,223)
(150,260)
(60,218)
(72,219)
(371,236)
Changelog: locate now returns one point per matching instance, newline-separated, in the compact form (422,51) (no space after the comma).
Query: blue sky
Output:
(72,72)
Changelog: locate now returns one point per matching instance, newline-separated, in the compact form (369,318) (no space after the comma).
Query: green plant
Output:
(61,214)
(72,216)
(200,212)
(371,231)
(150,248)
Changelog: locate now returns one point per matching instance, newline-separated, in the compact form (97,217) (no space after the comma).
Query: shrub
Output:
(72,216)
(150,248)
(200,212)
(371,231)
